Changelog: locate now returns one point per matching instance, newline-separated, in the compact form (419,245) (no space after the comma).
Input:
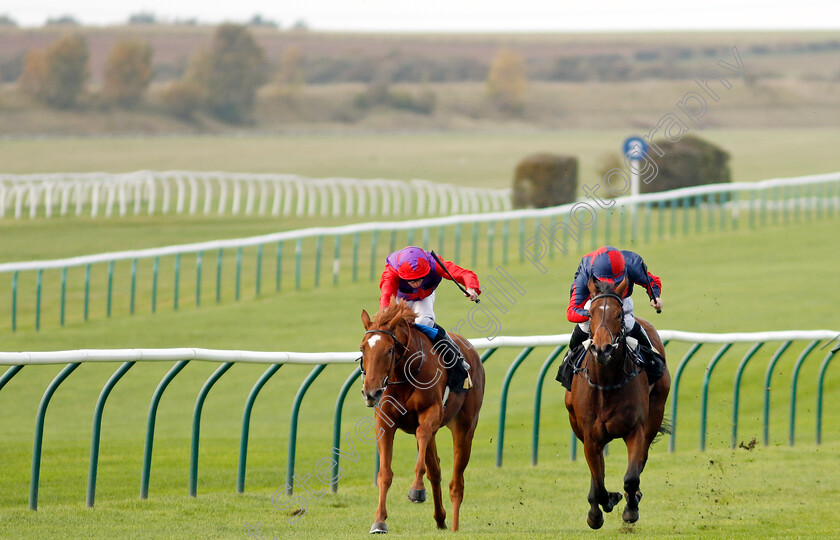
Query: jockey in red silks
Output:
(610,264)
(413,274)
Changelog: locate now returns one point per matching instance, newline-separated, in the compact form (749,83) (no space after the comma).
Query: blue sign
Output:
(635,147)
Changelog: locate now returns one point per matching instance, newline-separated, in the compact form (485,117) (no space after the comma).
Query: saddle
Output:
(647,359)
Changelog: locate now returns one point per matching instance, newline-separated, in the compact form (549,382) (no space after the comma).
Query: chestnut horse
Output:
(405,379)
(611,399)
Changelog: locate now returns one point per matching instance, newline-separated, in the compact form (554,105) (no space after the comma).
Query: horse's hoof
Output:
(613,500)
(417,495)
(379,528)
(596,521)
(630,516)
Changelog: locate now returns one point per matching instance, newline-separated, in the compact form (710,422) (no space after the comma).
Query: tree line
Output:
(223,80)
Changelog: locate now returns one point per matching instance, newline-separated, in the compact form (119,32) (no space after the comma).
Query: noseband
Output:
(391,353)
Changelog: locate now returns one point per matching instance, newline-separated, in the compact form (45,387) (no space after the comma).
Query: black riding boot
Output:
(564,374)
(653,363)
(452,358)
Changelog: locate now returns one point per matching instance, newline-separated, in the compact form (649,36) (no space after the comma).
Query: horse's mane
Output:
(603,286)
(395,310)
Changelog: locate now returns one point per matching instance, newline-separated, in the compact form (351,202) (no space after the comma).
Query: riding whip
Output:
(463,290)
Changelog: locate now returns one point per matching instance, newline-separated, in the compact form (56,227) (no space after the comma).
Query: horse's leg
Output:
(462,437)
(598,494)
(385,476)
(433,474)
(637,453)
(429,421)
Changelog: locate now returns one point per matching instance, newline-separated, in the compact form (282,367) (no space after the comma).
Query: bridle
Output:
(391,353)
(617,340)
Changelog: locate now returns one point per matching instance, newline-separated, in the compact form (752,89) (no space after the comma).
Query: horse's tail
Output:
(665,429)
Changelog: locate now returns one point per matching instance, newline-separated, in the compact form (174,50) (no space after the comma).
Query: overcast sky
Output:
(454,15)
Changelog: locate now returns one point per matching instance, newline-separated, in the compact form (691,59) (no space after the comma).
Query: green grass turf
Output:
(468,158)
(719,281)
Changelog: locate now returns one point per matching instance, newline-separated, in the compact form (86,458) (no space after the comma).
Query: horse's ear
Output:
(622,287)
(593,289)
(365,319)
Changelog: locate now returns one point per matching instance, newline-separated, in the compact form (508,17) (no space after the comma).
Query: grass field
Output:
(719,281)
(468,158)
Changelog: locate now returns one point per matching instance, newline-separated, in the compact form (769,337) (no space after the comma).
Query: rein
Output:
(391,353)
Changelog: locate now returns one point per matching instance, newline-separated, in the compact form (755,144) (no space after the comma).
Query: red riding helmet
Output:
(608,265)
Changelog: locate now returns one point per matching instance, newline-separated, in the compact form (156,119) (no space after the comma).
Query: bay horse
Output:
(405,381)
(611,399)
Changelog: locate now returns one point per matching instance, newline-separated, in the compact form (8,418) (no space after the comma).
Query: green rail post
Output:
(705,401)
(196,429)
(724,198)
(278,266)
(336,259)
(622,226)
(491,236)
(737,392)
(684,203)
(97,429)
(521,239)
(767,378)
(14,300)
(458,243)
(150,426)
(672,205)
(698,214)
(373,241)
(551,223)
(318,246)
(535,435)
(39,431)
(634,232)
(298,256)
(87,291)
(133,290)
(246,425)
(7,376)
(219,276)
(660,221)
(488,353)
(797,202)
(198,265)
(259,269)
(155,267)
(110,287)
(675,393)
(505,240)
(38,287)
(290,465)
(474,245)
(177,281)
(500,437)
(820,381)
(356,254)
(793,386)
(410,237)
(339,407)
(425,237)
(63,294)
(238,282)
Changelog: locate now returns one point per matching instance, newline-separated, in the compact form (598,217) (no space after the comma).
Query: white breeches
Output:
(629,319)
(425,310)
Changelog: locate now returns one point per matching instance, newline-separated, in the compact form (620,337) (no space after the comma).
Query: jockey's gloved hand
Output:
(656,303)
(471,294)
